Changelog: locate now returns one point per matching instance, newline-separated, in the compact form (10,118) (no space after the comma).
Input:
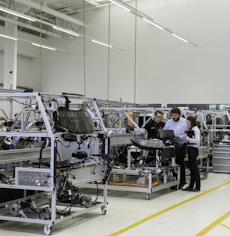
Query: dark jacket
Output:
(152,128)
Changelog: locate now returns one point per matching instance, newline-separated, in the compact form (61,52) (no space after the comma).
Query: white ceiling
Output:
(63,13)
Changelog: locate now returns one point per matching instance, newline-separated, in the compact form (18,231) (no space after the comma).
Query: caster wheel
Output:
(148,196)
(104,211)
(47,229)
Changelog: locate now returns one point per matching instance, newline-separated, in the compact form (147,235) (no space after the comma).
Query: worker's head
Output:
(175,113)
(158,116)
(191,121)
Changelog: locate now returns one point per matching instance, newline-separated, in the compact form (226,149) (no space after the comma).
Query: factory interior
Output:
(80,82)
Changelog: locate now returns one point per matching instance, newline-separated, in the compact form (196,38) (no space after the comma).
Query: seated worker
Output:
(153,125)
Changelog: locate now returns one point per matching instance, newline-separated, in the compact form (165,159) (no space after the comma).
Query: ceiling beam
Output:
(21,24)
(50,11)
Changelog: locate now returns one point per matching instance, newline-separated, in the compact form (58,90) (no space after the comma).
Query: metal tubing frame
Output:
(49,134)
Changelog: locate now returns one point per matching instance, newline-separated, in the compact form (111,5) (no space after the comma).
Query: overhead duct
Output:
(51,11)
(50,33)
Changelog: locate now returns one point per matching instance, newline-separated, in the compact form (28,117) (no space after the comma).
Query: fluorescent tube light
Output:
(44,46)
(103,44)
(177,36)
(8,37)
(152,23)
(96,4)
(119,5)
(15,13)
(65,30)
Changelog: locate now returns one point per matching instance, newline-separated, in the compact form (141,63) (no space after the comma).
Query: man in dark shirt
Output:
(151,129)
(154,124)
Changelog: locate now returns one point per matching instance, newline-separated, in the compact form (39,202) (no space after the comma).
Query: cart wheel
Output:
(148,196)
(47,229)
(104,211)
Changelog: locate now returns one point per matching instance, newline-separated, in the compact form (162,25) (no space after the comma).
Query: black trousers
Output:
(193,166)
(180,155)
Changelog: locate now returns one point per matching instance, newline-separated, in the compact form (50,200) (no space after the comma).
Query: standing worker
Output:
(151,128)
(154,124)
(193,139)
(179,125)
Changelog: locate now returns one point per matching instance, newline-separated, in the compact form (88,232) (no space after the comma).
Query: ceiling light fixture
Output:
(179,37)
(93,3)
(148,19)
(154,24)
(8,37)
(15,13)
(119,5)
(66,30)
(44,46)
(103,44)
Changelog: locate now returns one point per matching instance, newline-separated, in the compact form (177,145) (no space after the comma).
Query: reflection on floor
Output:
(168,212)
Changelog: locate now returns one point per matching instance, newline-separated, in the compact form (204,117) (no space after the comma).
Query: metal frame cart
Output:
(50,181)
(130,176)
(145,179)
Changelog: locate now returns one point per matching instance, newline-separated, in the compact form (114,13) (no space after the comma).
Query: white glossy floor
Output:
(168,212)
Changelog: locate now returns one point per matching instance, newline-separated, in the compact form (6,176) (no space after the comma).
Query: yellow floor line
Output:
(226,226)
(214,224)
(150,217)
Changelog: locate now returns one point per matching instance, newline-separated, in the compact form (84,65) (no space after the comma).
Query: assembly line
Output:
(56,149)
(114,118)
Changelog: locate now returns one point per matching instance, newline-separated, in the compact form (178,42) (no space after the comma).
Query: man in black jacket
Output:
(154,124)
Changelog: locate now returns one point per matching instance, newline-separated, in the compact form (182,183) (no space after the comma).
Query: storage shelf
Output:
(221,157)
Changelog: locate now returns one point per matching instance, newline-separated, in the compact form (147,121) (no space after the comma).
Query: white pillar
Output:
(10,57)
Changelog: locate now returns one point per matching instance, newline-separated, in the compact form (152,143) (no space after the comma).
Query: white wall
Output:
(28,72)
(1,67)
(63,72)
(28,69)
(27,75)
(167,70)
